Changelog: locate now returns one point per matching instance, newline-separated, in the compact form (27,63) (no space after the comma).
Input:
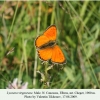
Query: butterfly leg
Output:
(44,62)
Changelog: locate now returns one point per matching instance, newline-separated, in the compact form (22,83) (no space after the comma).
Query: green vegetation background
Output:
(78,35)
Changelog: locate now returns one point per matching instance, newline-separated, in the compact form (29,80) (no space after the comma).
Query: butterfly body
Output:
(47,48)
(46,45)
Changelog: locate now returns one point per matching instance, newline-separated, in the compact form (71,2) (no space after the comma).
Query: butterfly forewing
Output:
(51,32)
(48,36)
(41,40)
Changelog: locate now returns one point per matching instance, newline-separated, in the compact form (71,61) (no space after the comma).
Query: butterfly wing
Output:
(54,53)
(51,32)
(45,54)
(48,35)
(41,40)
(57,55)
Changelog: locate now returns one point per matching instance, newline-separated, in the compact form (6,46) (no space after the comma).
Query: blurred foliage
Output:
(78,35)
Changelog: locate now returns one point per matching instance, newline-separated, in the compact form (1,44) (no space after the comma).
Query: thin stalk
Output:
(9,35)
(79,18)
(20,69)
(53,13)
(38,30)
(25,54)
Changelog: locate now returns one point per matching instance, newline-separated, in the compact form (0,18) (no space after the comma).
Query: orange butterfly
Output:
(47,47)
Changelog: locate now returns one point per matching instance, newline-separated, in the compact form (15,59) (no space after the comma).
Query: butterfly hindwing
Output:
(57,55)
(45,54)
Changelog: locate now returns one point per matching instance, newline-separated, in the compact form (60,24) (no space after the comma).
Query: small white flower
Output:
(17,85)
